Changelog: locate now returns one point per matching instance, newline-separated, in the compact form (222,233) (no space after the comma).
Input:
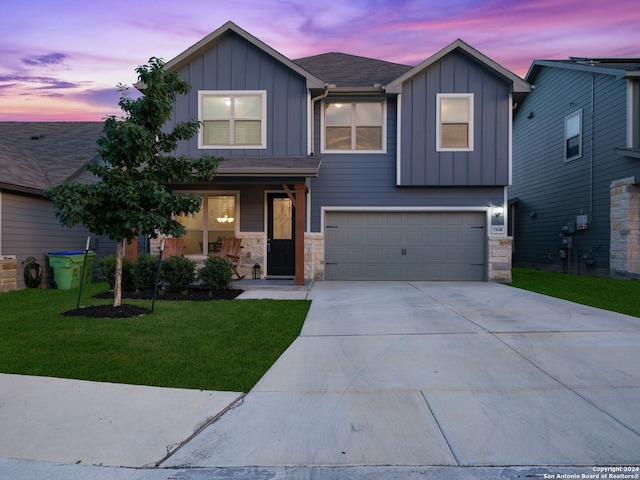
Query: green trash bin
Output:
(67,268)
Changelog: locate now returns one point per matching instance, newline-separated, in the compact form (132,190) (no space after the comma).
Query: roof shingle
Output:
(38,155)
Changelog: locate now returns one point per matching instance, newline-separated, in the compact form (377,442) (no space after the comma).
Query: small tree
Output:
(131,197)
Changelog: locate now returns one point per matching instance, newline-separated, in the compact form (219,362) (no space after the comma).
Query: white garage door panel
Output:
(405,246)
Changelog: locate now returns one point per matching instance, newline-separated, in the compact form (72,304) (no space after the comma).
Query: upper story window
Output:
(573,136)
(358,127)
(454,122)
(232,119)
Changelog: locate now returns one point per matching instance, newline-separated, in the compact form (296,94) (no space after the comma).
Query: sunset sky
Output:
(60,60)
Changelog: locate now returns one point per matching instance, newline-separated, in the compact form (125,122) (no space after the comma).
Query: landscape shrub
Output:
(107,267)
(216,274)
(145,270)
(178,272)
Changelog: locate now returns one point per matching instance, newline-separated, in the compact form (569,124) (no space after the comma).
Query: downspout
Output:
(313,115)
(591,148)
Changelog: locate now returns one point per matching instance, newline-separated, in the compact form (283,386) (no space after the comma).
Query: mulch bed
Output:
(128,311)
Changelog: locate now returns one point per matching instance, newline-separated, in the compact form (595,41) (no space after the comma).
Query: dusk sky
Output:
(60,60)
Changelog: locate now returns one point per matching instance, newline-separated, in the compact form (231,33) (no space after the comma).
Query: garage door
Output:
(405,246)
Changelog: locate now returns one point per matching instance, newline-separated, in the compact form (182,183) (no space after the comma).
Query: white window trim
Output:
(222,93)
(566,120)
(439,98)
(351,152)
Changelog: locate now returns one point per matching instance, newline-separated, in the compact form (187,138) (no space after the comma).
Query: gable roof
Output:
(216,36)
(344,70)
(37,155)
(518,84)
(618,67)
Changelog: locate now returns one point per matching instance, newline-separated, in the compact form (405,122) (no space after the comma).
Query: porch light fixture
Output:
(225,219)
(498,210)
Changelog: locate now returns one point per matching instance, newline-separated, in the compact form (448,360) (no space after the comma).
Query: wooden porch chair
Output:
(231,251)
(173,246)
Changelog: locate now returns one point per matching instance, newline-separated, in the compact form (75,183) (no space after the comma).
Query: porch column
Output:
(299,233)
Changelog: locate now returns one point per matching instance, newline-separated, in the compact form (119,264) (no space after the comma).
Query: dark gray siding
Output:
(30,229)
(235,64)
(488,163)
(557,190)
(369,180)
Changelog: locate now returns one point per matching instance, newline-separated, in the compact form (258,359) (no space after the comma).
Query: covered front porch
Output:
(264,202)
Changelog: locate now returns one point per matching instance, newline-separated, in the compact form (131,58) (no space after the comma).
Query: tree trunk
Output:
(117,288)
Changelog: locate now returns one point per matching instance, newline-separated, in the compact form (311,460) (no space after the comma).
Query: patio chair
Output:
(231,251)
(174,246)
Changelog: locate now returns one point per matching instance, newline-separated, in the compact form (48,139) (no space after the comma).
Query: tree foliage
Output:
(135,166)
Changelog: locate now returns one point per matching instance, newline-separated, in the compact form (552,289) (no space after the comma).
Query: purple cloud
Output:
(49,82)
(45,60)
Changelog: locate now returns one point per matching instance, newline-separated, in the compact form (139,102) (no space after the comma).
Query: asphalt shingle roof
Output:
(38,155)
(344,70)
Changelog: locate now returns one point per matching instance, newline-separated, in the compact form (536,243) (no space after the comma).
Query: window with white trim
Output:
(573,136)
(358,127)
(206,229)
(454,122)
(232,119)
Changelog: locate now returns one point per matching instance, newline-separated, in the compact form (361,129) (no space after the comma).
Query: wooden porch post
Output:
(299,233)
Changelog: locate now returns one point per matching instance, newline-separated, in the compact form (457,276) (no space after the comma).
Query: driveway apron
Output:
(439,373)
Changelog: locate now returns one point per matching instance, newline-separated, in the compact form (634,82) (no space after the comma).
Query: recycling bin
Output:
(67,268)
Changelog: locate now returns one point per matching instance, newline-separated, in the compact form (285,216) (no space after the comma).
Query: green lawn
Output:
(215,345)
(617,295)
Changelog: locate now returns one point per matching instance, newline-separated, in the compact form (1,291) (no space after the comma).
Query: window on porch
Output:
(206,229)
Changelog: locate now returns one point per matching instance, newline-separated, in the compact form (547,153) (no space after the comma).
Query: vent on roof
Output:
(37,137)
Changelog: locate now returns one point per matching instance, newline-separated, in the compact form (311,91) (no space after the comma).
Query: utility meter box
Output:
(582,222)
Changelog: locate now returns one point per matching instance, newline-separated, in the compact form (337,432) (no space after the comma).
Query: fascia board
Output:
(518,84)
(196,49)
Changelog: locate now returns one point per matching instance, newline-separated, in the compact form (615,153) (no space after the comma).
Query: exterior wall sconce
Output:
(498,210)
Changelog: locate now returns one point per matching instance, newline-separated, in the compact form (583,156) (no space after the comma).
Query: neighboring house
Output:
(341,167)
(33,157)
(575,195)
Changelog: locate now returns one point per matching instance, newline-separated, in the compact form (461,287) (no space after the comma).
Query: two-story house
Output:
(575,198)
(340,167)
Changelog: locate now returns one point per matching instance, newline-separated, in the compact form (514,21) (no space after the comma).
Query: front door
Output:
(281,250)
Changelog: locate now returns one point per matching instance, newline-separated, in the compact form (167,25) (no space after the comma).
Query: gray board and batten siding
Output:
(558,190)
(369,180)
(235,64)
(488,163)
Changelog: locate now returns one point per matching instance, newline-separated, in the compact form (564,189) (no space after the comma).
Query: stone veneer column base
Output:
(8,273)
(624,235)
(500,254)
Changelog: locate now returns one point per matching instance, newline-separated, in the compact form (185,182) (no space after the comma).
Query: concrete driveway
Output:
(449,374)
(412,377)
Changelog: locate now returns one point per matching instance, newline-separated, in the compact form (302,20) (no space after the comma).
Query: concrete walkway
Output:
(388,379)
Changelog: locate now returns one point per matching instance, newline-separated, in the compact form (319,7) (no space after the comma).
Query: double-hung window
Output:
(233,119)
(573,136)
(454,122)
(354,126)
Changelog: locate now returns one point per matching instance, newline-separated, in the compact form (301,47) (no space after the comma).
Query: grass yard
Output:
(614,294)
(208,345)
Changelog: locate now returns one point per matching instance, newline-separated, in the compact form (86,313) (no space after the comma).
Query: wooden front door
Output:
(280,235)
